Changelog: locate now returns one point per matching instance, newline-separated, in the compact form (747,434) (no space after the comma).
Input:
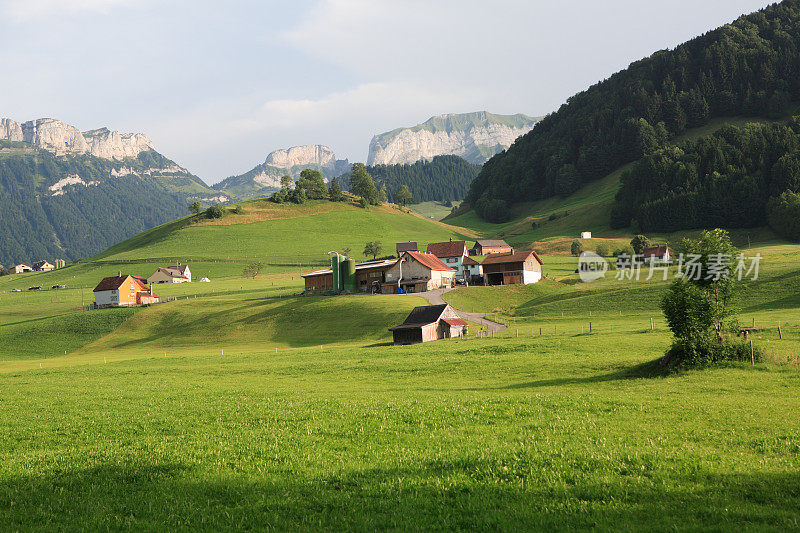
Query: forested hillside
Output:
(443,178)
(732,179)
(750,67)
(74,206)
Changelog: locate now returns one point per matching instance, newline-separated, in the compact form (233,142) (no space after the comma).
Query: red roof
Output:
(448,249)
(655,251)
(115,282)
(455,322)
(430,261)
(514,257)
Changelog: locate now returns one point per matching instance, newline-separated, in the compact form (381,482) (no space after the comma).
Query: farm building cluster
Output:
(38,266)
(442,264)
(125,290)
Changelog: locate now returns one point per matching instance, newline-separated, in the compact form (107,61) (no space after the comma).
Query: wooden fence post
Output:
(752,356)
(651,324)
(590,327)
(780,333)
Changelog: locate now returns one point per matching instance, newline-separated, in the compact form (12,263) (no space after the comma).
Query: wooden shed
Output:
(429,323)
(512,269)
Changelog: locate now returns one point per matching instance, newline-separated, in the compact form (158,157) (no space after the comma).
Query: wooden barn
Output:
(417,272)
(512,269)
(491,246)
(429,323)
(369,277)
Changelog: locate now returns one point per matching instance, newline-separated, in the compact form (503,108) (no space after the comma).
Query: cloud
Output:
(28,10)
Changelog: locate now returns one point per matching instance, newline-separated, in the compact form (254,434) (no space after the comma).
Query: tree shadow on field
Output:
(649,370)
(490,492)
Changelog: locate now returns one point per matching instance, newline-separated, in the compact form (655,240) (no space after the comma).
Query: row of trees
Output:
(736,178)
(750,67)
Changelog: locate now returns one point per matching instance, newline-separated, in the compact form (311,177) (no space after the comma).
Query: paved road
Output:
(434,297)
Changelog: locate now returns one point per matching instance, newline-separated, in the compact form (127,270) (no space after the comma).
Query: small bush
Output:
(602,250)
(708,351)
(215,211)
(238,210)
(362,203)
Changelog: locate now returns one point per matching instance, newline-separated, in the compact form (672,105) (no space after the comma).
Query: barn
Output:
(429,323)
(417,272)
(512,269)
(491,246)
(369,277)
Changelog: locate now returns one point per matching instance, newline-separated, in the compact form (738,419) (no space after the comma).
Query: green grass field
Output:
(241,404)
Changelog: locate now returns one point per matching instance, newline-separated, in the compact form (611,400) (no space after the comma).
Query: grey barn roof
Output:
(492,242)
(420,316)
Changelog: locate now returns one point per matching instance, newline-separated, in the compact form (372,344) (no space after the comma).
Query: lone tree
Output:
(698,304)
(287,182)
(195,208)
(373,248)
(362,184)
(403,195)
(215,211)
(639,243)
(253,269)
(312,182)
(335,192)
(603,250)
(576,248)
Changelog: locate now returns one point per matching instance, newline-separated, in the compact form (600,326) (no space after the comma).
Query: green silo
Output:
(336,268)
(349,275)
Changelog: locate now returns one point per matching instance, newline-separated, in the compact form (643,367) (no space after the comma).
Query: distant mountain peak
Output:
(60,138)
(474,136)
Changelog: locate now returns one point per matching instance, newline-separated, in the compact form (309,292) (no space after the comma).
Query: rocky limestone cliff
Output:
(58,138)
(474,136)
(291,162)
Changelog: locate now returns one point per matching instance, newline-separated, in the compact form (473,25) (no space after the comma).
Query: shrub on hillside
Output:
(576,248)
(215,211)
(603,250)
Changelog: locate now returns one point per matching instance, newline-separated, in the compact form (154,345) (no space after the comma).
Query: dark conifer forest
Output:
(750,67)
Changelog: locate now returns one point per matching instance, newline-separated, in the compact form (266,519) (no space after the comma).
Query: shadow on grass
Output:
(649,370)
(494,492)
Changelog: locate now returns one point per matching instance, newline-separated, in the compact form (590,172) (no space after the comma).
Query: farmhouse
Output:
(410,246)
(657,254)
(43,266)
(417,272)
(429,323)
(123,291)
(491,246)
(472,270)
(369,277)
(451,253)
(176,274)
(586,235)
(19,269)
(512,268)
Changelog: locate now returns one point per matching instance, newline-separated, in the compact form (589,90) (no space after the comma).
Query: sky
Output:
(217,85)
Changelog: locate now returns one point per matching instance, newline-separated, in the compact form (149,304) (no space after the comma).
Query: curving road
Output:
(434,297)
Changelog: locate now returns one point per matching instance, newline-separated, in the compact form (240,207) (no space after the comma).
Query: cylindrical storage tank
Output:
(349,275)
(337,272)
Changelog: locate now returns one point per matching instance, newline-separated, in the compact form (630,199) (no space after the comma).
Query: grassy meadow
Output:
(241,404)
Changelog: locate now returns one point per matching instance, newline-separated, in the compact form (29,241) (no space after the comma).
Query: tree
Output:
(639,243)
(697,304)
(362,184)
(603,250)
(576,248)
(215,211)
(373,248)
(253,269)
(195,208)
(335,192)
(403,195)
(382,198)
(287,182)
(784,215)
(346,251)
(312,182)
